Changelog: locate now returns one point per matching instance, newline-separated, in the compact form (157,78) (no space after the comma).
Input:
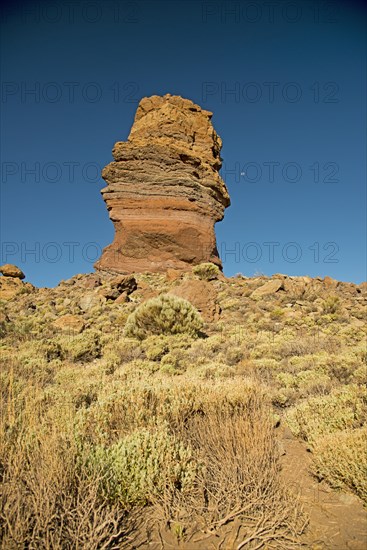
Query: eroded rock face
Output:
(164,193)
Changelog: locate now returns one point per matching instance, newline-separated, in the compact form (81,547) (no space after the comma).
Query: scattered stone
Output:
(10,270)
(329,282)
(90,300)
(93,281)
(72,324)
(109,293)
(164,192)
(270,287)
(293,287)
(122,298)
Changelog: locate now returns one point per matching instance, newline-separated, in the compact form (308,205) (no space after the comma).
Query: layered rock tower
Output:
(164,193)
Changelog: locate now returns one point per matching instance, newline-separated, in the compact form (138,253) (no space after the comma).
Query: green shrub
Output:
(82,347)
(214,370)
(344,408)
(331,305)
(141,465)
(175,361)
(341,459)
(207,271)
(156,347)
(165,315)
(307,382)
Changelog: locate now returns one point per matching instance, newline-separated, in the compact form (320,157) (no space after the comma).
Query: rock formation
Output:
(164,192)
(10,270)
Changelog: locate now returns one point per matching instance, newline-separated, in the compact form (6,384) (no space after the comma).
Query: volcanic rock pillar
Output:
(164,193)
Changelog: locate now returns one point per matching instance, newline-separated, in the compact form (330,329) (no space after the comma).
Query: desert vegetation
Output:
(148,422)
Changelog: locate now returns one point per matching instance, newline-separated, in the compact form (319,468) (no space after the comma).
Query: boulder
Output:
(92,281)
(72,324)
(201,294)
(90,300)
(122,298)
(270,287)
(10,270)
(329,282)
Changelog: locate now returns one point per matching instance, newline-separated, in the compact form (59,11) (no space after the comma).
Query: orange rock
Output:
(270,287)
(173,274)
(72,324)
(202,295)
(10,287)
(10,270)
(164,193)
(329,282)
(122,298)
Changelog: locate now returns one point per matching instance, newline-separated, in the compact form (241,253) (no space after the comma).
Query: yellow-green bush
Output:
(165,314)
(175,361)
(360,375)
(141,465)
(331,304)
(156,346)
(214,370)
(341,459)
(344,408)
(138,402)
(206,271)
(81,347)
(307,382)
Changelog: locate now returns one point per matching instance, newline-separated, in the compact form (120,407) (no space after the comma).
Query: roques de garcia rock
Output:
(164,193)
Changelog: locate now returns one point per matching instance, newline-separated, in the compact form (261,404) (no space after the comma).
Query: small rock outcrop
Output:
(200,294)
(10,270)
(72,324)
(164,193)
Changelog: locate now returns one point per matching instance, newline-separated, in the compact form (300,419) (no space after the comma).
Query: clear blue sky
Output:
(286,82)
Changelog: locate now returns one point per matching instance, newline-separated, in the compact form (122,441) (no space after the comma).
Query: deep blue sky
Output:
(297,73)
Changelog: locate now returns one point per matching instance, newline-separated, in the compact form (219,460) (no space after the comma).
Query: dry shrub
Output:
(239,478)
(308,345)
(216,457)
(341,459)
(121,409)
(45,501)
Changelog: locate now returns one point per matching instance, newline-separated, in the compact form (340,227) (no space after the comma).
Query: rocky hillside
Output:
(156,403)
(98,377)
